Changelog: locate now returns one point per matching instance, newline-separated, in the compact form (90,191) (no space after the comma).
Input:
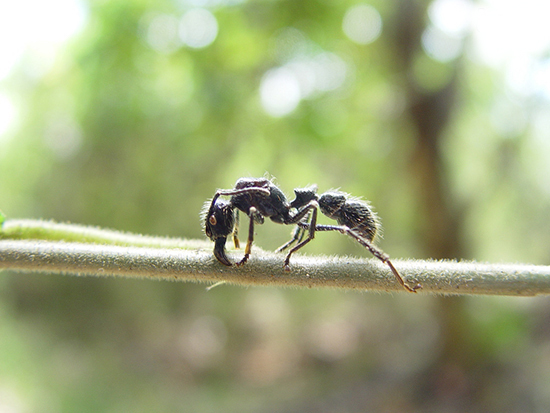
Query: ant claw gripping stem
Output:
(243,260)
(398,276)
(260,198)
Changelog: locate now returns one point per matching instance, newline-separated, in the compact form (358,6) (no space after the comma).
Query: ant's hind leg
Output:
(382,256)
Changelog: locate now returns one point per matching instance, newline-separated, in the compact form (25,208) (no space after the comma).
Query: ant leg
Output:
(252,213)
(311,234)
(382,256)
(230,192)
(297,236)
(236,241)
(211,219)
(385,258)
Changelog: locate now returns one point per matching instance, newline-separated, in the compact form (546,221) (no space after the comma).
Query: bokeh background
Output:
(129,114)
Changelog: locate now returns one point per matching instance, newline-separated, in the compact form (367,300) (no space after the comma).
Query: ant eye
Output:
(212,220)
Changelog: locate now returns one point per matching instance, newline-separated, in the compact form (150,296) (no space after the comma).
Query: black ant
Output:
(259,198)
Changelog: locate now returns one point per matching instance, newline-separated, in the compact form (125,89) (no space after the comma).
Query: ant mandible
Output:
(259,198)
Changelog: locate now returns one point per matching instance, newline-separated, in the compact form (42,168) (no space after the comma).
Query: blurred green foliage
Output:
(132,129)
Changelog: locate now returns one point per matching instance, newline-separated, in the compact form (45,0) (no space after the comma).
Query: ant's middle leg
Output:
(297,235)
(311,233)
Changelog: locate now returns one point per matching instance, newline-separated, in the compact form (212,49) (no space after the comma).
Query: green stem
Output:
(63,248)
(26,229)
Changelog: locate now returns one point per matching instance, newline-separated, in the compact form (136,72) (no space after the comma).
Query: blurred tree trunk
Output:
(430,112)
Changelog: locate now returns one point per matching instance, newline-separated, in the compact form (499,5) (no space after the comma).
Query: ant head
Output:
(303,196)
(219,221)
(331,202)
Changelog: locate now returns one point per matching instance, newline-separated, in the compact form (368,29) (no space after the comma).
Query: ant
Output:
(259,198)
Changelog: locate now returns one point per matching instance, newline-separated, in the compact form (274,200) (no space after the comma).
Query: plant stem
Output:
(63,248)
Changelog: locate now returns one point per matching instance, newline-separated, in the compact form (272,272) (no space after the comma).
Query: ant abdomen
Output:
(353,213)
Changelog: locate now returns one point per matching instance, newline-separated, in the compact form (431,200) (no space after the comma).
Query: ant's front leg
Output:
(254,216)
(236,241)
